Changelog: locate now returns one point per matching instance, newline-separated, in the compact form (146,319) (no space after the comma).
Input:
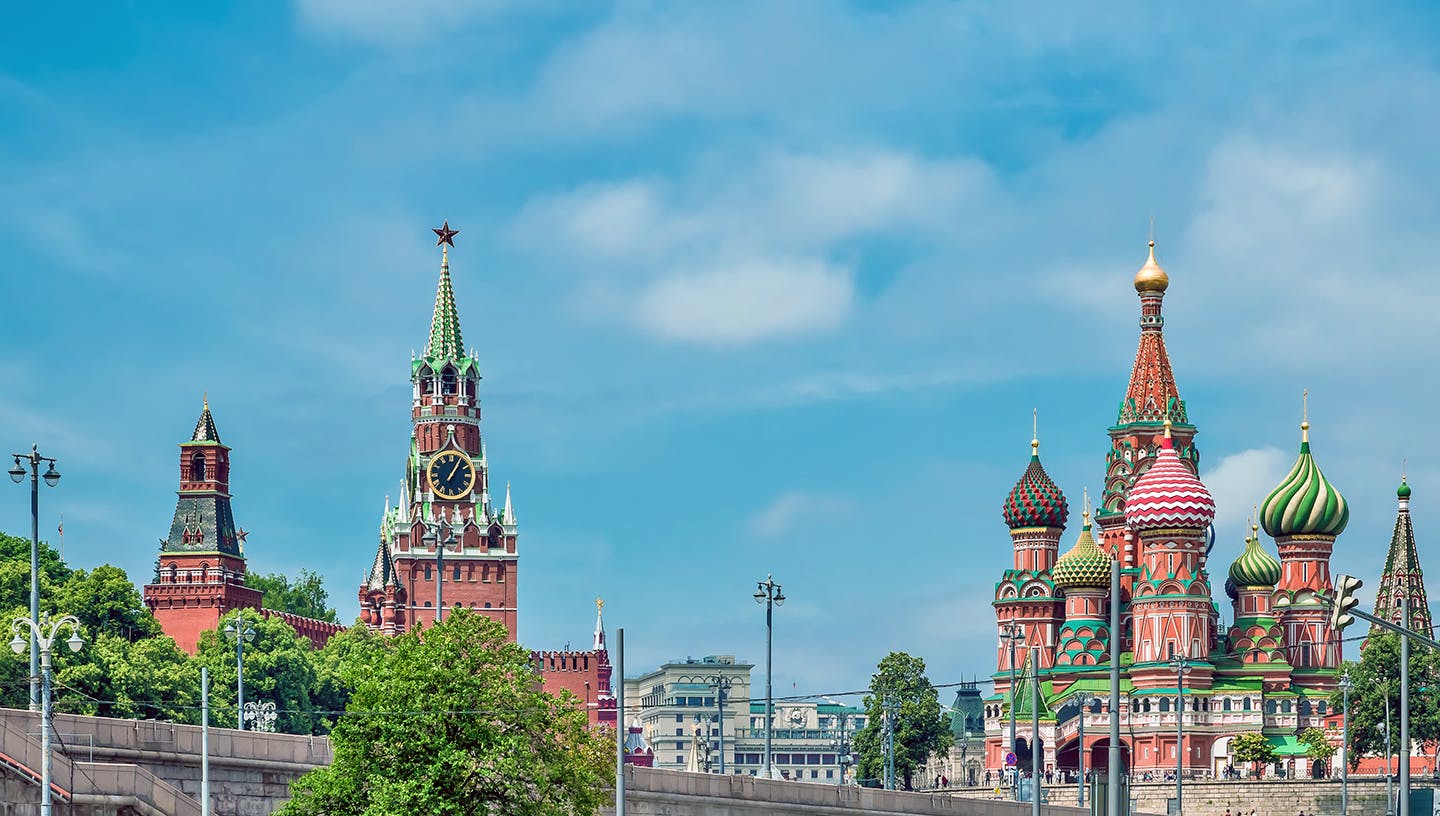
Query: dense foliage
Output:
(455,723)
(920,728)
(128,668)
(304,596)
(1254,748)
(1376,678)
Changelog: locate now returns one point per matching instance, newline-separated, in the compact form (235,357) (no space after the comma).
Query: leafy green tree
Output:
(1254,748)
(111,676)
(1317,748)
(456,723)
(106,602)
(1376,678)
(340,666)
(305,596)
(920,729)
(279,668)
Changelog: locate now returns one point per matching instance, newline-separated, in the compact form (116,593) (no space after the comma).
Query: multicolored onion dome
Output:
(1035,501)
(1255,567)
(1085,565)
(1168,495)
(1304,503)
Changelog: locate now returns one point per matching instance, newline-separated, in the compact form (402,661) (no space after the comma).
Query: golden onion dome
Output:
(1151,277)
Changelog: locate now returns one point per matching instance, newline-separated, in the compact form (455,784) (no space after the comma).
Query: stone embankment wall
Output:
(1279,797)
(657,792)
(250,773)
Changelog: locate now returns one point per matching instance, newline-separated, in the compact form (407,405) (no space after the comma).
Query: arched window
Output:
(1145,705)
(1284,706)
(427,575)
(1134,706)
(197,467)
(1304,706)
(497,537)
(1320,708)
(447,381)
(427,604)
(457,573)
(1164,704)
(1225,704)
(1245,704)
(1269,706)
(487,604)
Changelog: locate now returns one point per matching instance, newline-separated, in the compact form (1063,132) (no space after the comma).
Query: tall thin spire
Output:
(507,514)
(205,426)
(1403,577)
(599,624)
(445,341)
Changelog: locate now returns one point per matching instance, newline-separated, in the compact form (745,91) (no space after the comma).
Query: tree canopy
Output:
(920,728)
(1376,679)
(452,723)
(304,596)
(1252,747)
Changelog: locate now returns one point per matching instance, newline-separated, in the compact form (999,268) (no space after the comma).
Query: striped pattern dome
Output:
(1085,565)
(1305,503)
(1168,495)
(1255,567)
(1035,501)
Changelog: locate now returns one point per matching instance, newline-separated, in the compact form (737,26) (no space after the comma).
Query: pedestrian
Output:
(1227,811)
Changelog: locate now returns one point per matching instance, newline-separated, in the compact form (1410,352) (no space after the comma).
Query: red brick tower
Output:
(1025,597)
(445,499)
(200,574)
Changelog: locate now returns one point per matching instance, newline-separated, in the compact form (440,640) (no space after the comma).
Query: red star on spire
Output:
(445,234)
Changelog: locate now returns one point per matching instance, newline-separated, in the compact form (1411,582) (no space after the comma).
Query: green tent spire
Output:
(445,342)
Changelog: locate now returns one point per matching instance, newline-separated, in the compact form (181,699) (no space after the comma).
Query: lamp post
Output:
(841,743)
(1181,665)
(769,593)
(432,539)
(1011,634)
(722,685)
(52,478)
(240,631)
(1085,703)
(1389,793)
(43,635)
(1345,686)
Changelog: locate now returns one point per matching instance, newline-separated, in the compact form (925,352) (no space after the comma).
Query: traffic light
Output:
(1345,600)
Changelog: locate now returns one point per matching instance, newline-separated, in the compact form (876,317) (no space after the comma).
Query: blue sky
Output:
(756,287)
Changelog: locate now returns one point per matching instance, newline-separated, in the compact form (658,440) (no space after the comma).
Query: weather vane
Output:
(445,235)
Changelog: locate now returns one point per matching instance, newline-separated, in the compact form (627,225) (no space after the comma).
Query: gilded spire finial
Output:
(1305,415)
(1151,277)
(1254,524)
(599,605)
(1085,512)
(1034,431)
(1167,427)
(205,400)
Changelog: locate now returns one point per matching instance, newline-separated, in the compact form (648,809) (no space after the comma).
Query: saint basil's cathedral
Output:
(445,532)
(1270,671)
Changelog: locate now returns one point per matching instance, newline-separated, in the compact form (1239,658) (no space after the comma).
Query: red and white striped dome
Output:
(1168,496)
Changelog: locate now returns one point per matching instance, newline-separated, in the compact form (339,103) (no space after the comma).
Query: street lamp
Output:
(722,685)
(1085,703)
(431,539)
(840,743)
(240,631)
(263,715)
(42,636)
(1345,685)
(52,478)
(1182,667)
(1012,634)
(770,594)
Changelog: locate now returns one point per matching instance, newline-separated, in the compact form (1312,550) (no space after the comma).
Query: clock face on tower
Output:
(452,474)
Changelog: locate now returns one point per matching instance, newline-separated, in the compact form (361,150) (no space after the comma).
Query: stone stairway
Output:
(92,788)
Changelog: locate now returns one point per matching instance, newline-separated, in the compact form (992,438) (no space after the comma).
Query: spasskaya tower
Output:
(445,531)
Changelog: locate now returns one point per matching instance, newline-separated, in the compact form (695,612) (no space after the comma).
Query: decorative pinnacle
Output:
(599,605)
(445,235)
(445,341)
(1085,513)
(1035,432)
(1167,427)
(1305,415)
(205,400)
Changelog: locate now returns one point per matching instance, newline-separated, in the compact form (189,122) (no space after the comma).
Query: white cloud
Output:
(794,508)
(387,23)
(747,302)
(1241,480)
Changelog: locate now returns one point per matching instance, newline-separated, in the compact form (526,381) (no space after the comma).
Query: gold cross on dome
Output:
(599,604)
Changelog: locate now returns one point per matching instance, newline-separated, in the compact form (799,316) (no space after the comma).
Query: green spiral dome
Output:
(1085,565)
(1305,503)
(1255,567)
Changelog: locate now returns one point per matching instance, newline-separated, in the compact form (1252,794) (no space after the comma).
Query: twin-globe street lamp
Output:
(52,478)
(43,636)
(430,538)
(240,631)
(769,593)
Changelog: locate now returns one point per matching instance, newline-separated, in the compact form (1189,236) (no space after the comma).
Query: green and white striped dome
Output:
(1305,503)
(1255,567)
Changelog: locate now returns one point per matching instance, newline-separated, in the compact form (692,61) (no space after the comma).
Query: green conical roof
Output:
(1255,567)
(445,342)
(1305,503)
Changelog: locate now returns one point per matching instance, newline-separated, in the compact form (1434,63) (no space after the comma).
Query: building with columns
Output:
(1270,671)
